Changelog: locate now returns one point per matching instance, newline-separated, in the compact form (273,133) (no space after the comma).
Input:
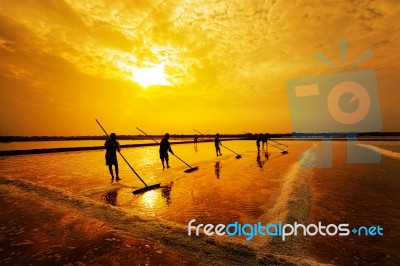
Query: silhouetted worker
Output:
(195,140)
(217,142)
(112,146)
(265,141)
(259,139)
(164,148)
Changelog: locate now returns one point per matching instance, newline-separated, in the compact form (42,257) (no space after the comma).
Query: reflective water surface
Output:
(223,189)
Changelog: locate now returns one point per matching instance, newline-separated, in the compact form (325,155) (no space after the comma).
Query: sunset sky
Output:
(181,65)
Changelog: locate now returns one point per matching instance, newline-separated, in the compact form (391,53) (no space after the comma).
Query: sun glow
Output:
(146,76)
(150,76)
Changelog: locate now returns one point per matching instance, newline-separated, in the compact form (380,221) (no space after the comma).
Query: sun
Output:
(150,76)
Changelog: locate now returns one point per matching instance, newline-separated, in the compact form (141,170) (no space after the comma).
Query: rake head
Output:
(191,169)
(144,189)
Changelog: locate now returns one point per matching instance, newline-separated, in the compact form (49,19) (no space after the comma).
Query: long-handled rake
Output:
(238,156)
(141,190)
(283,151)
(191,169)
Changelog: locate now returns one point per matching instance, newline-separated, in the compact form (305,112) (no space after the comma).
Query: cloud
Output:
(237,53)
(7,46)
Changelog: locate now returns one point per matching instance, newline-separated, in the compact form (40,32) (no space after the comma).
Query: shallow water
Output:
(393,146)
(360,194)
(238,188)
(223,190)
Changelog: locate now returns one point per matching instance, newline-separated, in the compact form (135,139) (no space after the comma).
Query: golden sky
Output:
(181,65)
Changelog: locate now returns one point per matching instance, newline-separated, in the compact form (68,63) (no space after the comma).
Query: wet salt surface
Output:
(218,192)
(223,190)
(393,146)
(360,194)
(52,235)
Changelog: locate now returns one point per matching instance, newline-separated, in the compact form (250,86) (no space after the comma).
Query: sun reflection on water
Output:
(158,198)
(150,199)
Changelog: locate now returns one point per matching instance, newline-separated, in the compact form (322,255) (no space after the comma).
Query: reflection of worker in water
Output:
(259,162)
(166,193)
(112,146)
(259,139)
(217,143)
(164,148)
(217,169)
(195,140)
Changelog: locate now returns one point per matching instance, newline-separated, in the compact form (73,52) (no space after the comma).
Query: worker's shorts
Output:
(164,155)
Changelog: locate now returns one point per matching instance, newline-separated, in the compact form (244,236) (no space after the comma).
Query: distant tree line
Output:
(186,136)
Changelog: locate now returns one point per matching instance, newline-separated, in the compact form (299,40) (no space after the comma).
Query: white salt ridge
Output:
(391,154)
(292,205)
